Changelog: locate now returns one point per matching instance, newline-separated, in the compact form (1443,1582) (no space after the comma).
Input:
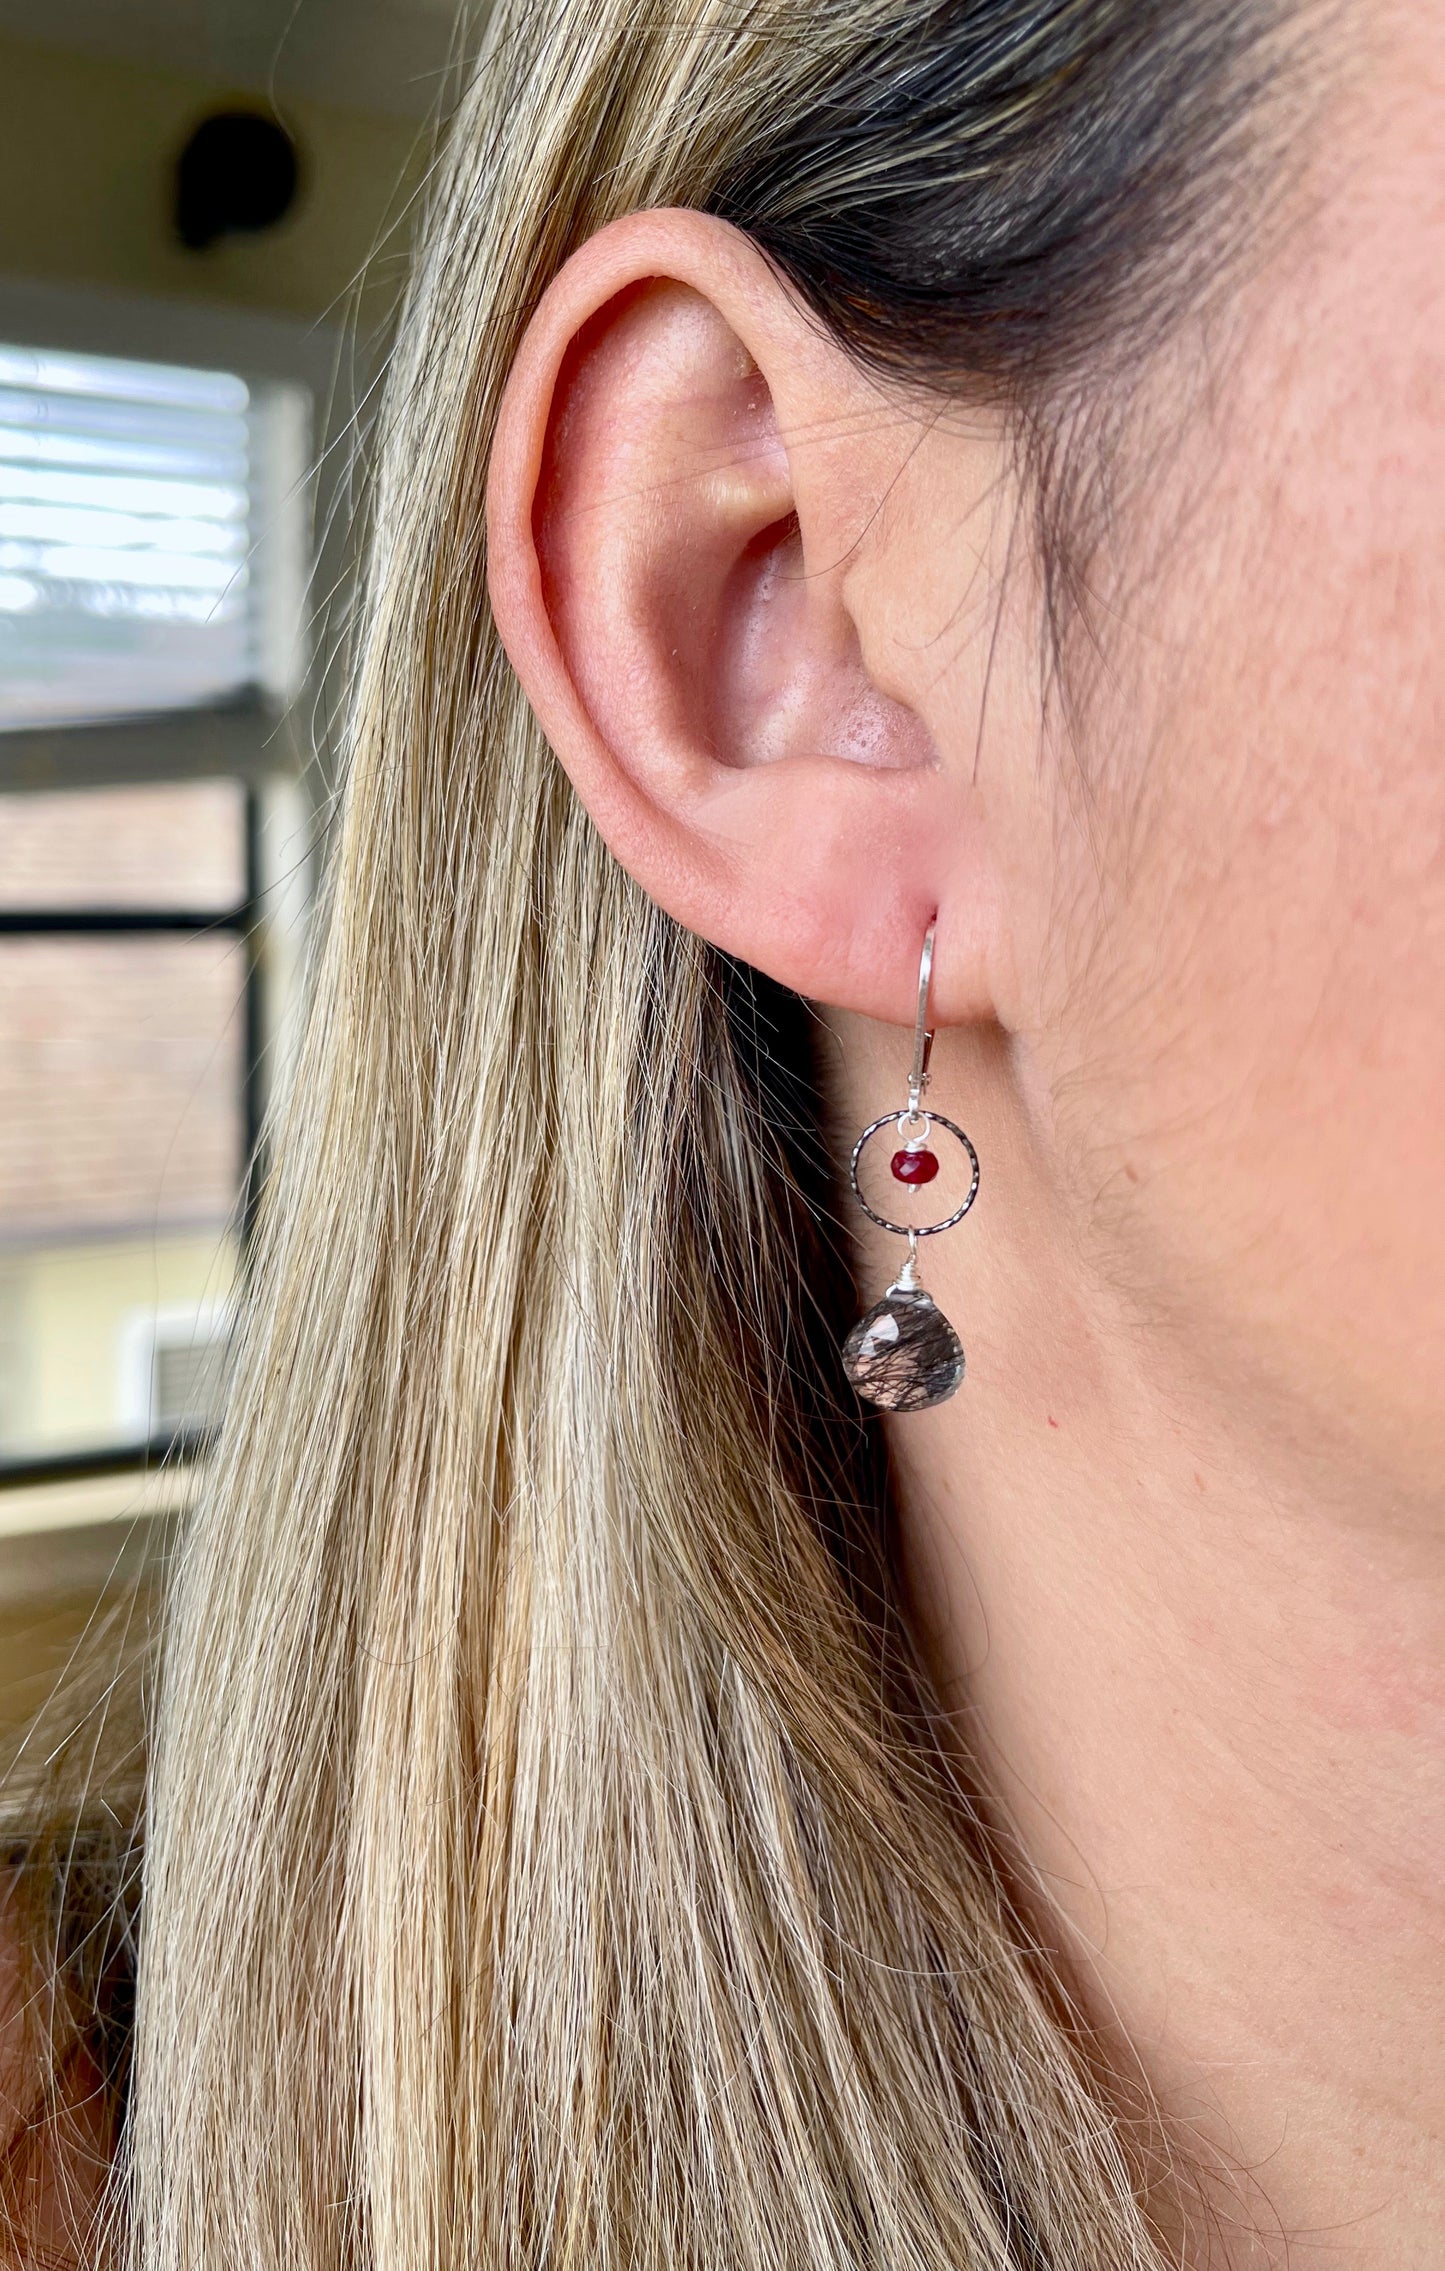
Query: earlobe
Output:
(682,497)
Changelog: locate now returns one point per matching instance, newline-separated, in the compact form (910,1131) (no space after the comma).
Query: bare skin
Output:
(1178,1547)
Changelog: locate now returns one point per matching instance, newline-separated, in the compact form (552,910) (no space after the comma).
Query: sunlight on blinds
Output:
(125,529)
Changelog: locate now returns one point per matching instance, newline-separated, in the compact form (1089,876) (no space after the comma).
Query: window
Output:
(125,534)
(129,964)
(155,518)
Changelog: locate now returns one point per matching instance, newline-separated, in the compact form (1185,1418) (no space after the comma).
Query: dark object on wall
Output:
(239,171)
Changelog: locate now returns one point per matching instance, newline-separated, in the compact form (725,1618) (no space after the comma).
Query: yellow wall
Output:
(87,148)
(72,1303)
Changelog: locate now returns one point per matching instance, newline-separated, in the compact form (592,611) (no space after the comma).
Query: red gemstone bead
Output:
(914,1166)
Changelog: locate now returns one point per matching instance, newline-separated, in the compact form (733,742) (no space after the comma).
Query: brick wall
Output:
(120,1058)
(179,844)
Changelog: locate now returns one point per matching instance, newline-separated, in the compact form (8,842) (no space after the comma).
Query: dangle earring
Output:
(905,1355)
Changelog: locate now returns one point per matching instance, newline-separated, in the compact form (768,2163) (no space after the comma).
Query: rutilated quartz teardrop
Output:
(904,1355)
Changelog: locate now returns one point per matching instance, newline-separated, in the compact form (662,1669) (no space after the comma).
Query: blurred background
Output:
(205,210)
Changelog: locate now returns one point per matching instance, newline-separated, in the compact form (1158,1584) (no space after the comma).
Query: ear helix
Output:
(905,1355)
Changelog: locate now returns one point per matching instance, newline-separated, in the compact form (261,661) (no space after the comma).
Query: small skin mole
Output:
(1199,1482)
(1052,1421)
(1131,1172)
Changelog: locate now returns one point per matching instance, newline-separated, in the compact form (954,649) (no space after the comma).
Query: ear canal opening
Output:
(778,533)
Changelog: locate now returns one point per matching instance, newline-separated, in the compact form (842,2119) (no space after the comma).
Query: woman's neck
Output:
(1205,1676)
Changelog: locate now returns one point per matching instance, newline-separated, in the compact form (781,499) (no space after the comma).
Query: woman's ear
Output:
(714,561)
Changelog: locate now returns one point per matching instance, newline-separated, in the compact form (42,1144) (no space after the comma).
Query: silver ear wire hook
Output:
(922,1031)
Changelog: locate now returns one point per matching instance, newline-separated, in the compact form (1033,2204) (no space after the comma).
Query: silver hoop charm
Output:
(929,1122)
(905,1355)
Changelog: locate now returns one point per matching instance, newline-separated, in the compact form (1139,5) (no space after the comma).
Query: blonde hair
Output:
(551,1859)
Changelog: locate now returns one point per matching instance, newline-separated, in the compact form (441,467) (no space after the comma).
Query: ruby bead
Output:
(914,1166)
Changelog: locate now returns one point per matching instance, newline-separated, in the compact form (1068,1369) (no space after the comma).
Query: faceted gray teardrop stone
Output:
(904,1354)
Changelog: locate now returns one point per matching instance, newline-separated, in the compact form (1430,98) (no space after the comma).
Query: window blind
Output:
(126,506)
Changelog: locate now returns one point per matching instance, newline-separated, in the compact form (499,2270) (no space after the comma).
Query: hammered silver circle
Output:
(907,1229)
